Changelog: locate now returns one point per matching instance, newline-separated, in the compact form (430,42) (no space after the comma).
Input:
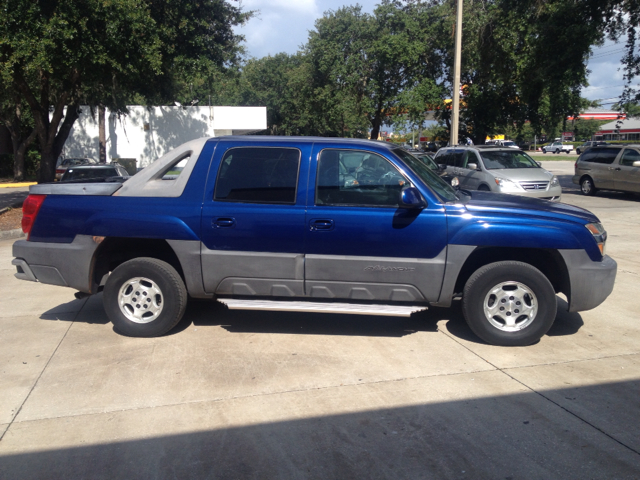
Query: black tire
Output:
(578,151)
(532,289)
(544,151)
(484,188)
(153,295)
(587,187)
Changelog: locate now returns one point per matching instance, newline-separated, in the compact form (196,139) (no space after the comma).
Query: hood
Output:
(515,204)
(522,174)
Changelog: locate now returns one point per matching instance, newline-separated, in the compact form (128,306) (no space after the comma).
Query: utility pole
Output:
(455,107)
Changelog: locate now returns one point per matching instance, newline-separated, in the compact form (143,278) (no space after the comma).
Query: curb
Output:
(8,234)
(16,185)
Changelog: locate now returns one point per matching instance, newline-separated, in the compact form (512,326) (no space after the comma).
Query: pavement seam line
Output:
(42,372)
(575,415)
(242,397)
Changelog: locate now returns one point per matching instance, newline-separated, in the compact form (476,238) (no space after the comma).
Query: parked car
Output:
(608,167)
(499,169)
(275,223)
(68,162)
(557,147)
(586,145)
(93,173)
(440,170)
(508,143)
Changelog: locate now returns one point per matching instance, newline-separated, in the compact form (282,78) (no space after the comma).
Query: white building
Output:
(147,133)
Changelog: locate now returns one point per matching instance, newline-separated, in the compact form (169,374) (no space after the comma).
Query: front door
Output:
(253,220)
(359,243)
(625,176)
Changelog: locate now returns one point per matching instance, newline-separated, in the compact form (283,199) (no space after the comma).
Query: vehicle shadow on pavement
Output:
(566,323)
(477,436)
(207,313)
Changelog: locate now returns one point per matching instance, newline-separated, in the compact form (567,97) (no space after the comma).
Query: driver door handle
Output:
(321,224)
(223,222)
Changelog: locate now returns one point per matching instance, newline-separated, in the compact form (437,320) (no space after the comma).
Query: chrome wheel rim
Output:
(510,306)
(586,186)
(140,300)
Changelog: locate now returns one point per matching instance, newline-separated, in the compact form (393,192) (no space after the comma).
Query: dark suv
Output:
(610,167)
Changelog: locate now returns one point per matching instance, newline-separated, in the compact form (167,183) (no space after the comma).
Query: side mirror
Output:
(636,163)
(472,166)
(442,167)
(410,197)
(539,164)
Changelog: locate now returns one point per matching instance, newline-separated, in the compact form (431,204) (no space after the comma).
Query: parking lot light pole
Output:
(455,107)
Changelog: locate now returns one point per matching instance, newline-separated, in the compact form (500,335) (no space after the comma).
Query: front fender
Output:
(522,235)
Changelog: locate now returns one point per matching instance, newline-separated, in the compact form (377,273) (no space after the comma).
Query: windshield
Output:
(512,159)
(428,176)
(509,144)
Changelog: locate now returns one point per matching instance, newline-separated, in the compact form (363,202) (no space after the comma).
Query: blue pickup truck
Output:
(312,224)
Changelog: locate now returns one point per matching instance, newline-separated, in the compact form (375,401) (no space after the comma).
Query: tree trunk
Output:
(51,144)
(19,151)
(102,142)
(376,123)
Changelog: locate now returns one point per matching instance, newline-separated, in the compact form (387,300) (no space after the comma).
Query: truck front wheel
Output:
(144,297)
(509,303)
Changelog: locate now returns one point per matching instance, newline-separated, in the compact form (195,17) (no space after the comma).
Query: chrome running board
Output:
(318,307)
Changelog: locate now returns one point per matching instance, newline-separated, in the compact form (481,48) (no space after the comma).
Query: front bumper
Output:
(63,264)
(591,282)
(554,193)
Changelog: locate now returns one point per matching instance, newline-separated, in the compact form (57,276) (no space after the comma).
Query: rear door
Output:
(253,219)
(359,244)
(625,176)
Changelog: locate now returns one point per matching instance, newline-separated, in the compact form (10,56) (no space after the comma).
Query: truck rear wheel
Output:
(509,303)
(144,297)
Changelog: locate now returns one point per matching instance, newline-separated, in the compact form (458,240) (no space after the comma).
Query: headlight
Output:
(507,185)
(599,235)
(554,182)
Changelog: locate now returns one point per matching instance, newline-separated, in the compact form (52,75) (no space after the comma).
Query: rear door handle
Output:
(223,222)
(617,169)
(321,224)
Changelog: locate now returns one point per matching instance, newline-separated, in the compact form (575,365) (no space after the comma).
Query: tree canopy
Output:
(58,54)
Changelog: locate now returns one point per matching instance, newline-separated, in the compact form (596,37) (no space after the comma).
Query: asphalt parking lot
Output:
(287,395)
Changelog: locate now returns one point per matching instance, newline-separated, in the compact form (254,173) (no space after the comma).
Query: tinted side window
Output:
(607,155)
(458,157)
(441,158)
(629,156)
(589,156)
(258,175)
(374,182)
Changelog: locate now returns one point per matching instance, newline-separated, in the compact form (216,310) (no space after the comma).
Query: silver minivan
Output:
(499,169)
(608,168)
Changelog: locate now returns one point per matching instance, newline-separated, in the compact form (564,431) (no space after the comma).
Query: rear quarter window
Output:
(607,155)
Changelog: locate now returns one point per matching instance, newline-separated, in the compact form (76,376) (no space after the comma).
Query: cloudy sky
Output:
(283,25)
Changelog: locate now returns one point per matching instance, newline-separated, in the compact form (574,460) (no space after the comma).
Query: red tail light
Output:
(30,209)
(59,170)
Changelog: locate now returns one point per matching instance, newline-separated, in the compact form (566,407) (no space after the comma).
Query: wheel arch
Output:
(113,251)
(549,261)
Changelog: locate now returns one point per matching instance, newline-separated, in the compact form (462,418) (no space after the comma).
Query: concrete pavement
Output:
(239,394)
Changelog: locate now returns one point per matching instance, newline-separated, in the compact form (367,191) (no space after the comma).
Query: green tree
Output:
(59,54)
(364,65)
